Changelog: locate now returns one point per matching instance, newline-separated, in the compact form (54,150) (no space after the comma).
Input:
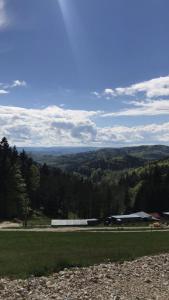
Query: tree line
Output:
(26,186)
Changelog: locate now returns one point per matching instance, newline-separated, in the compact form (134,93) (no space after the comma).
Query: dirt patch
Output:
(8,224)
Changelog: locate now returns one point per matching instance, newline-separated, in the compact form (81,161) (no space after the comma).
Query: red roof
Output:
(155,215)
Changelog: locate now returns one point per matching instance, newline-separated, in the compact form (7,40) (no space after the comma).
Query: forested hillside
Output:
(148,187)
(104,159)
(101,187)
(26,186)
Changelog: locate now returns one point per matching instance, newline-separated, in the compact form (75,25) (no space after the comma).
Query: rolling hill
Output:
(93,158)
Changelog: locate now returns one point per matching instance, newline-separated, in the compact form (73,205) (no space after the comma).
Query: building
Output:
(129,218)
(76,222)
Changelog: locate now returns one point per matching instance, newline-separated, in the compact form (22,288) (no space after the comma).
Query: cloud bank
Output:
(156,87)
(55,126)
(48,126)
(143,108)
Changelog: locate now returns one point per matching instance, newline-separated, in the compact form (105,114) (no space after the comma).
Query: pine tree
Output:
(21,196)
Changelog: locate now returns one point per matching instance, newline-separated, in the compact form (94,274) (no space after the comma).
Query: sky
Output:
(84,72)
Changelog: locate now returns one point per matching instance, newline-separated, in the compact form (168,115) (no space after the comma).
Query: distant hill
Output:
(152,152)
(79,158)
(56,150)
(109,180)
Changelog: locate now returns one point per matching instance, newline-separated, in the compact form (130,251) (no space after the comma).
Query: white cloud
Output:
(152,88)
(55,126)
(143,108)
(96,94)
(3,16)
(2,92)
(156,87)
(18,83)
(109,92)
(138,135)
(47,126)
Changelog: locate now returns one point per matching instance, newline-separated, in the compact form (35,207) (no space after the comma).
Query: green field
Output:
(38,253)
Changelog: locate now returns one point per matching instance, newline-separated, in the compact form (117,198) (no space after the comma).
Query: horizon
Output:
(84,74)
(94,147)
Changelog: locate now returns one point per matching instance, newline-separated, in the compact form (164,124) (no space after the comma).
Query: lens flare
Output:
(73,27)
(69,19)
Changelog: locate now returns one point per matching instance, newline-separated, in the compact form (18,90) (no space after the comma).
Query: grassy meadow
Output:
(39,253)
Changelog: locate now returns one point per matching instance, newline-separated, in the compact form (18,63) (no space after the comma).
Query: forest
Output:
(97,188)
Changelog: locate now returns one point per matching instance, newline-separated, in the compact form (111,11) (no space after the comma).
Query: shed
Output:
(123,218)
(155,215)
(146,217)
(74,222)
(133,217)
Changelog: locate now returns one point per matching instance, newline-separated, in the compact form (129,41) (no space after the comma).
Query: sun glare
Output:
(73,27)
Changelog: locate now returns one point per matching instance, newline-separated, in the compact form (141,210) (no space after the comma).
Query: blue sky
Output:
(84,72)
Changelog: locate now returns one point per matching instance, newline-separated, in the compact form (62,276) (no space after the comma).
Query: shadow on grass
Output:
(47,270)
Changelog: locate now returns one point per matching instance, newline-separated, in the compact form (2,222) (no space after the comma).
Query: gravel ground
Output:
(8,224)
(145,278)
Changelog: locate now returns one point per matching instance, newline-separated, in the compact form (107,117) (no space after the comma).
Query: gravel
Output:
(144,278)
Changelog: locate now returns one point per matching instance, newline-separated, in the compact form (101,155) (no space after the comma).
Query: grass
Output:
(39,221)
(39,253)
(127,229)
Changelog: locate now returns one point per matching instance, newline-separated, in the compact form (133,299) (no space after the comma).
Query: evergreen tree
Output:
(19,201)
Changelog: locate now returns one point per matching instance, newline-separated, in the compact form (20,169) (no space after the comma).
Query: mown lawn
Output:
(38,253)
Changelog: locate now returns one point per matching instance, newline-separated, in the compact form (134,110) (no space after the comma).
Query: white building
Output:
(82,222)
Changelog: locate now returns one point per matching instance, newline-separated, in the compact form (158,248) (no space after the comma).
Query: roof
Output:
(130,216)
(142,214)
(155,215)
(137,215)
(82,222)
